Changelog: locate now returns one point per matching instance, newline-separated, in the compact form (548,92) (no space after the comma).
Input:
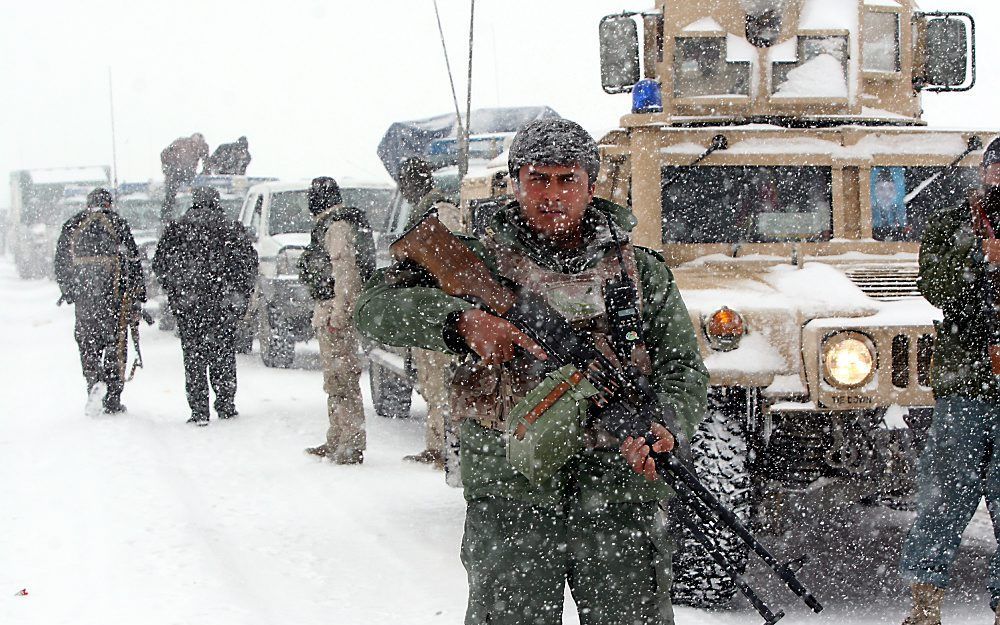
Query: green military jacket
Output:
(416,316)
(952,269)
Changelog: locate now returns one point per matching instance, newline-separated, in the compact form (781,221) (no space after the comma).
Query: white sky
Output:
(314,84)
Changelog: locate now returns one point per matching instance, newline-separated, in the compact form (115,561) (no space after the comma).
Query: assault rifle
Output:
(625,407)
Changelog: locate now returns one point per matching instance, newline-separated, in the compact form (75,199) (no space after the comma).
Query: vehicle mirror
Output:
(251,233)
(950,56)
(619,53)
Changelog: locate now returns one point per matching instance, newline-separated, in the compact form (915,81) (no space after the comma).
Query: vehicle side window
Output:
(258,209)
(904,198)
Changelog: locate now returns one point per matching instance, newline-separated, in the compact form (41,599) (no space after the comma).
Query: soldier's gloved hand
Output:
(636,451)
(493,339)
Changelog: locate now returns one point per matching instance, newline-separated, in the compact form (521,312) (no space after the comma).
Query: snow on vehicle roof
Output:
(825,14)
(59,175)
(896,141)
(704,24)
(819,77)
(303,185)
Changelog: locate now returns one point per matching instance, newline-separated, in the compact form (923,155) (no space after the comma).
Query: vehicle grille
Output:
(902,361)
(885,284)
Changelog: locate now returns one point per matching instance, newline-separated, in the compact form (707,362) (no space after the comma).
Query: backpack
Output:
(314,263)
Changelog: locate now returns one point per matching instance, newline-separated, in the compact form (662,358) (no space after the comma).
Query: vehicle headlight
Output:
(724,329)
(37,230)
(849,359)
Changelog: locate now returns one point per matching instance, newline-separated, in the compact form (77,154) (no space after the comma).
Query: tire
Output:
(244,339)
(720,455)
(391,394)
(277,349)
(168,322)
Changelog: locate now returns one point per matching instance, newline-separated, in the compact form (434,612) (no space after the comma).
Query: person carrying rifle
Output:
(591,517)
(97,268)
(959,269)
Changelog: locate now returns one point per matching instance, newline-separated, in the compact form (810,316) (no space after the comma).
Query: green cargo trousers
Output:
(519,558)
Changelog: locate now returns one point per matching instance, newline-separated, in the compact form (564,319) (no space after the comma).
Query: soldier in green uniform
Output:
(959,267)
(594,523)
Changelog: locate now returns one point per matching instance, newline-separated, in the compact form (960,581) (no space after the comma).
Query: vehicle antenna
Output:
(447,64)
(463,147)
(114,147)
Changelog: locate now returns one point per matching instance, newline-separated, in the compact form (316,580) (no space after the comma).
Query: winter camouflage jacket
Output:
(952,268)
(97,263)
(206,263)
(417,315)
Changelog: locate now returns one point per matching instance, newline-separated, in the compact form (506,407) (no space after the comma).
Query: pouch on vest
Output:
(545,429)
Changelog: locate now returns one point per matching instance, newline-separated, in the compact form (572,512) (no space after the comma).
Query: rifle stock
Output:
(459,272)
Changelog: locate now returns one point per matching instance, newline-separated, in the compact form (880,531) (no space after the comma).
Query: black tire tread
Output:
(721,462)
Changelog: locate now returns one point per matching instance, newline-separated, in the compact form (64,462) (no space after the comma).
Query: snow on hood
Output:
(816,289)
(292,238)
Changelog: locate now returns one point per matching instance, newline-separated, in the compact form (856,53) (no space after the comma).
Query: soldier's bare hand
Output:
(636,451)
(493,338)
(991,248)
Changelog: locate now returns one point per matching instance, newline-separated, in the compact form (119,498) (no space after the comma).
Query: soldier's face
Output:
(554,198)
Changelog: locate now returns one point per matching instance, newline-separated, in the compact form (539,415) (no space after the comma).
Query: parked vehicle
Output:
(277,217)
(40,201)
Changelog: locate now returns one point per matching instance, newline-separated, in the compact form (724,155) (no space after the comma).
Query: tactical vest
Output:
(487,394)
(314,264)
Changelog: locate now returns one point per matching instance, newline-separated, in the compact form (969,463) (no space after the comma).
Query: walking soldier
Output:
(98,270)
(208,268)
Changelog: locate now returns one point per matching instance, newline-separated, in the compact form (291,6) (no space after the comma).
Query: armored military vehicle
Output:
(776,157)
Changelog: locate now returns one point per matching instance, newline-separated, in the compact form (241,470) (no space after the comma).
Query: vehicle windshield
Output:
(231,207)
(374,203)
(290,212)
(141,213)
(746,204)
(895,219)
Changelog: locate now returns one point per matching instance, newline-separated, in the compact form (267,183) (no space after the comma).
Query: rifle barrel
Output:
(669,467)
(713,550)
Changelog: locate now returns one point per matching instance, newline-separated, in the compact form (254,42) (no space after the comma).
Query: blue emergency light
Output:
(646,97)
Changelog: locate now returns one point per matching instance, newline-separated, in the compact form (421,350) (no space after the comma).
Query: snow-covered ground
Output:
(144,519)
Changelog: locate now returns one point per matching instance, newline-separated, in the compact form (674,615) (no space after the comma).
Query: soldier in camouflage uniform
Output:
(98,269)
(595,522)
(959,267)
(341,255)
(434,369)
